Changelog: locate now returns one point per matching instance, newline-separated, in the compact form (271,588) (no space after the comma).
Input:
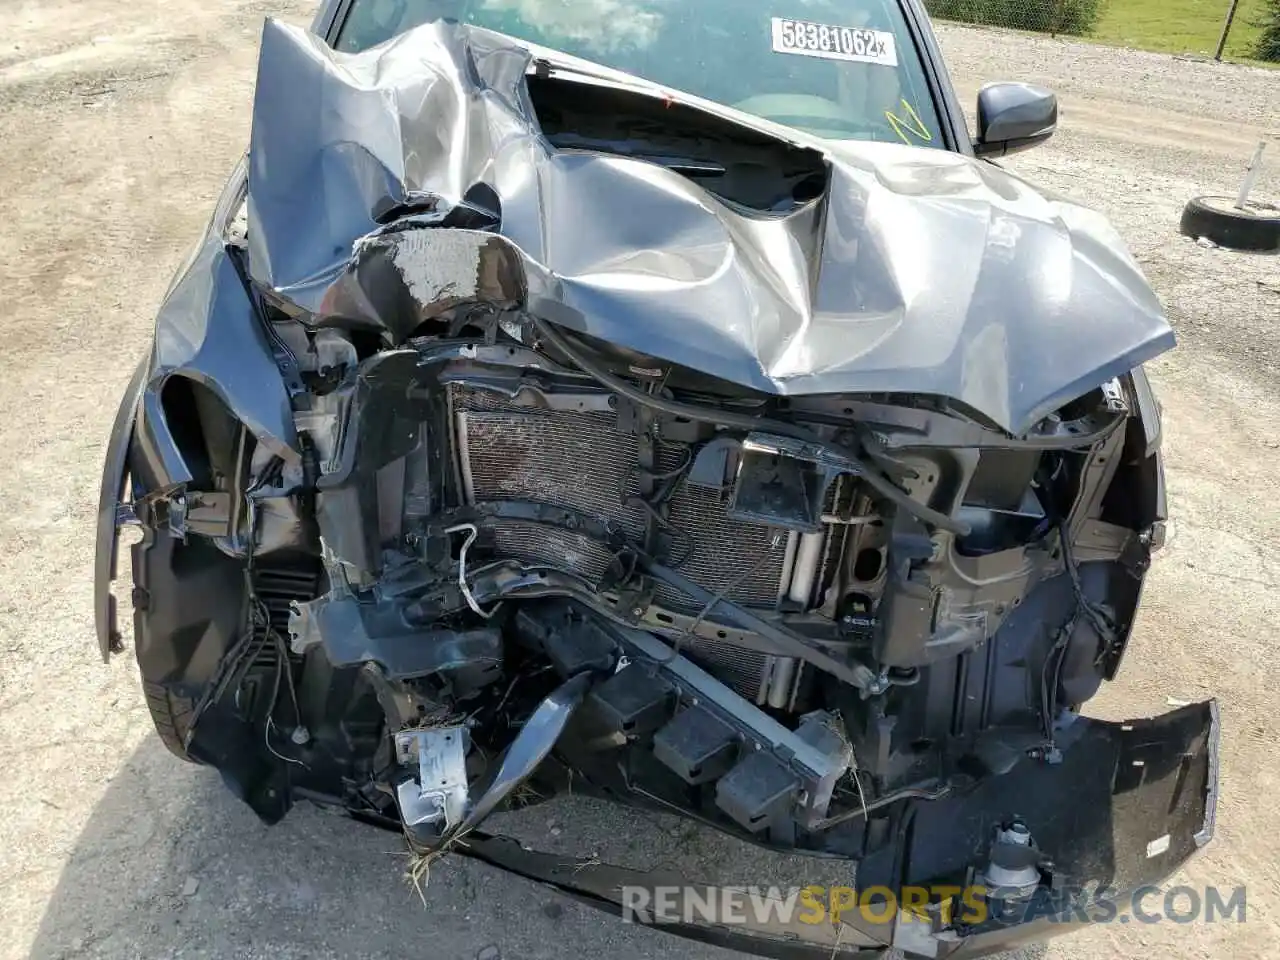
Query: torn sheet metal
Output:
(917,271)
(209,331)
(532,745)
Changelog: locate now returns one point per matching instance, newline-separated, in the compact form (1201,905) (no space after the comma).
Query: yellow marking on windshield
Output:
(913,124)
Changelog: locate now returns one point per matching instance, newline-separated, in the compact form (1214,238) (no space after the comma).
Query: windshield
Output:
(839,69)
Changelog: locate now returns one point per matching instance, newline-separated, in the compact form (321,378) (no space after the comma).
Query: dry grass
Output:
(438,719)
(418,873)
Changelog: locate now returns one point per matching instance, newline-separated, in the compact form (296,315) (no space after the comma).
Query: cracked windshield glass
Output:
(839,69)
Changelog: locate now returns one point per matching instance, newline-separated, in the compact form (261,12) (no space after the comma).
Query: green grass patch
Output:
(1181,26)
(1168,26)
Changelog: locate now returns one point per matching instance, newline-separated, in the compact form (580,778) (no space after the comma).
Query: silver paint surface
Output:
(918,271)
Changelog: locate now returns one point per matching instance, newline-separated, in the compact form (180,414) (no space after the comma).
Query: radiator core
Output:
(579,460)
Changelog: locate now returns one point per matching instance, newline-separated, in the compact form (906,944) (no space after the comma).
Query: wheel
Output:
(172,717)
(1255,228)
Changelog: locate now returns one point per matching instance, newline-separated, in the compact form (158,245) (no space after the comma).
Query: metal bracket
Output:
(207,514)
(439,795)
(1113,398)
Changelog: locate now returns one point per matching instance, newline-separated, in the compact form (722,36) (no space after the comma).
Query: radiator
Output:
(580,461)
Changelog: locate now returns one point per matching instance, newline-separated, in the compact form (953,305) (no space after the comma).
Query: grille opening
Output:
(867,566)
(579,460)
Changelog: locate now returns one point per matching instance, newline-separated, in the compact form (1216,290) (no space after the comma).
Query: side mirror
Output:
(1013,117)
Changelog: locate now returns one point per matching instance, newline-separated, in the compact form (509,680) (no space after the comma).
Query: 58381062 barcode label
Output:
(834,43)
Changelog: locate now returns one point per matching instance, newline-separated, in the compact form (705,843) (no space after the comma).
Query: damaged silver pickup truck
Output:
(670,399)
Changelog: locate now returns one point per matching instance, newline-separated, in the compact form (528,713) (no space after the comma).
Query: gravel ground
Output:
(119,125)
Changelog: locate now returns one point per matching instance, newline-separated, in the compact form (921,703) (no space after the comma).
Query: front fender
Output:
(115,474)
(208,332)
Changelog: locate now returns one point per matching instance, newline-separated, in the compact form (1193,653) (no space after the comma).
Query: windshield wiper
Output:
(689,166)
(544,67)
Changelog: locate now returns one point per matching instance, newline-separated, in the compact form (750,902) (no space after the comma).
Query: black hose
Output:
(787,643)
(907,793)
(745,421)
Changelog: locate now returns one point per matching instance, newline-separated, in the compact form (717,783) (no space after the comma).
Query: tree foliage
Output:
(1268,45)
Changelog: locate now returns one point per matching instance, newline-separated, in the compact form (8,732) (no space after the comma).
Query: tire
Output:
(171,716)
(1256,228)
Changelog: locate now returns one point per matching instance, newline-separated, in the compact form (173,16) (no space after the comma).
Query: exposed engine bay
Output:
(471,549)
(514,518)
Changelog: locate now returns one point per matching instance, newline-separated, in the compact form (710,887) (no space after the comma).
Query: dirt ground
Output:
(119,123)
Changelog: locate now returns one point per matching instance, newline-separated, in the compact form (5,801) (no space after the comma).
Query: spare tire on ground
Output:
(1256,227)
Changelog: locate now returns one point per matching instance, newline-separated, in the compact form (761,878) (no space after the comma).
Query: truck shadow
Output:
(171,863)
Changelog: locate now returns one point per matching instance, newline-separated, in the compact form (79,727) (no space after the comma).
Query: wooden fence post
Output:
(1226,29)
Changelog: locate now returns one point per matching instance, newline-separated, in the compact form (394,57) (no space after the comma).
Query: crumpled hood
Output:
(919,271)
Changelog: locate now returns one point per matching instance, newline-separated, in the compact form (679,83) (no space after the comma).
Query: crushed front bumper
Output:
(1126,807)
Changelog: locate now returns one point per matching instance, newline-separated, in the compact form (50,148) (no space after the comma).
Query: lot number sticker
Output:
(834,43)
